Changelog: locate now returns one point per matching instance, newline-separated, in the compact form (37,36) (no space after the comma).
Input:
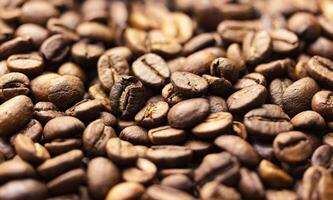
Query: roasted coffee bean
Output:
(178,26)
(108,119)
(15,113)
(151,70)
(199,147)
(124,96)
(267,122)
(275,69)
(327,139)
(172,171)
(320,69)
(13,84)
(218,86)
(134,135)
(321,103)
(308,120)
(249,80)
(178,181)
(169,155)
(86,53)
(326,26)
(239,148)
(250,184)
(153,114)
(39,86)
(6,150)
(280,195)
(65,91)
(247,98)
(273,176)
(55,48)
(220,167)
(297,97)
(316,183)
(284,41)
(322,156)
(188,113)
(95,137)
(3,68)
(95,31)
(216,190)
(214,125)
(60,146)
(120,151)
(276,89)
(32,130)
(28,64)
(188,84)
(144,172)
(159,43)
(45,111)
(36,32)
(110,67)
(257,47)
(96,92)
(170,95)
(217,104)
(166,193)
(321,47)
(135,40)
(15,169)
(62,127)
(60,164)
(86,110)
(292,147)
(201,41)
(305,25)
(24,189)
(15,46)
(30,151)
(133,191)
(121,51)
(235,31)
(235,53)
(38,12)
(166,135)
(57,26)
(225,68)
(239,129)
(102,175)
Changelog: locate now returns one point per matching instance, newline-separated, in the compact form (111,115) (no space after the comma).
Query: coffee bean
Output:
(217,104)
(201,41)
(199,62)
(257,47)
(153,114)
(166,135)
(108,119)
(239,148)
(102,175)
(55,48)
(271,22)
(95,31)
(239,129)
(136,40)
(320,69)
(144,172)
(121,51)
(73,69)
(326,26)
(159,43)
(297,97)
(322,156)
(57,26)
(169,155)
(15,169)
(188,113)
(36,32)
(247,98)
(151,70)
(45,111)
(188,84)
(214,189)
(62,127)
(60,164)
(327,139)
(273,176)
(86,53)
(218,86)
(284,41)
(220,167)
(86,110)
(292,147)
(321,47)
(60,146)
(321,103)
(170,94)
(32,130)
(235,31)
(178,26)
(249,80)
(214,125)
(134,135)
(120,151)
(308,120)
(305,25)
(250,184)
(38,12)
(275,69)
(178,181)
(276,89)
(109,68)
(166,193)
(224,67)
(15,113)
(15,46)
(13,84)
(280,195)
(28,64)
(24,189)
(133,191)
(168,172)
(96,136)
(96,92)
(39,86)
(316,183)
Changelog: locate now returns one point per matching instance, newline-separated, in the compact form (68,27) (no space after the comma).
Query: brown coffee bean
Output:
(188,113)
(73,69)
(136,40)
(224,67)
(102,175)
(308,120)
(60,164)
(13,84)
(276,89)
(178,181)
(280,195)
(86,110)
(134,135)
(239,148)
(178,26)
(32,130)
(55,48)
(327,139)
(96,136)
(121,152)
(273,176)
(29,64)
(166,193)
(151,70)
(267,122)
(170,95)
(218,86)
(38,12)
(249,80)
(24,189)
(257,47)
(322,156)
(320,69)
(108,119)
(133,191)
(275,69)
(214,125)
(199,62)
(220,167)
(239,129)
(96,92)
(292,147)
(144,172)
(95,31)
(39,86)
(305,25)
(216,190)
(217,104)
(247,98)
(45,111)
(321,103)
(62,127)
(15,46)
(235,31)
(86,53)
(201,41)
(166,135)
(60,146)
(326,26)
(159,43)
(284,41)
(297,97)
(153,114)
(188,84)
(250,184)
(169,155)
(36,32)
(15,169)
(15,113)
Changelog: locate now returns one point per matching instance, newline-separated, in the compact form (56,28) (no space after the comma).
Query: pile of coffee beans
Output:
(166,99)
